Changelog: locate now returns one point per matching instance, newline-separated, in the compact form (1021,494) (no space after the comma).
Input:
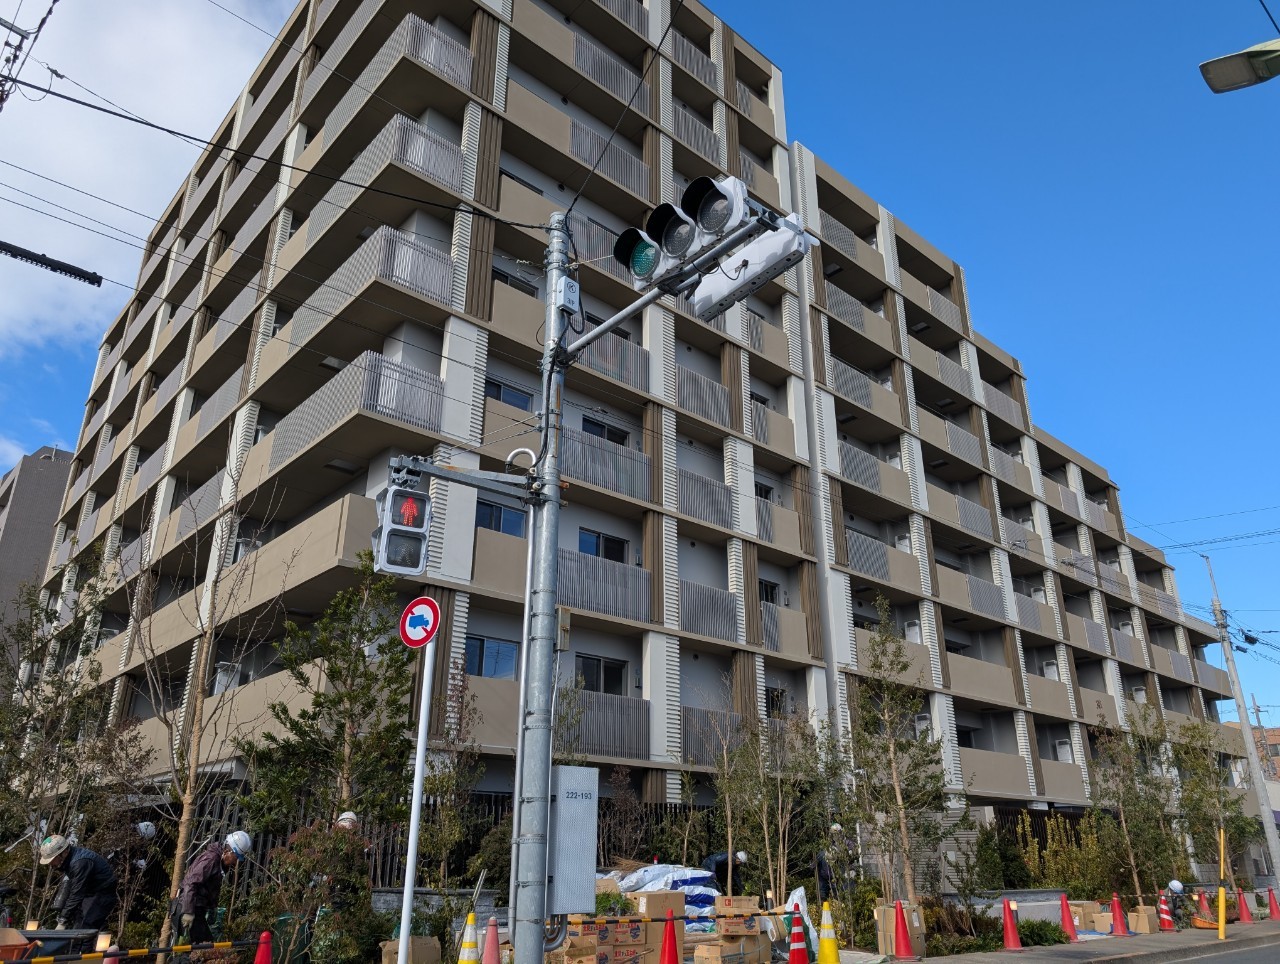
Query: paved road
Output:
(1255,955)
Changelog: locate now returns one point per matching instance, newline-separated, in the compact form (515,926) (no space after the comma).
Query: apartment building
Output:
(30,497)
(355,272)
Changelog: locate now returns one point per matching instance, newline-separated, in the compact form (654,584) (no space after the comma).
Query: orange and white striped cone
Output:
(468,951)
(799,954)
(1166,918)
(489,955)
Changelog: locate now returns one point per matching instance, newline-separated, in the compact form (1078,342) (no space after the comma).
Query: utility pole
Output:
(1268,767)
(1242,712)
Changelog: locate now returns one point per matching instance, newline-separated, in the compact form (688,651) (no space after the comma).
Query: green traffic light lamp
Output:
(1255,65)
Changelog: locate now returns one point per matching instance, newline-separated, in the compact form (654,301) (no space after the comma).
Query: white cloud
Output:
(10,452)
(181,64)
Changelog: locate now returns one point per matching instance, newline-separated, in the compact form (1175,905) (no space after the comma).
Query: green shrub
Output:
(944,945)
(614,905)
(1040,933)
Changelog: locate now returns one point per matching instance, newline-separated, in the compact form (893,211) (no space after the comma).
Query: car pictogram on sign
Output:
(419,622)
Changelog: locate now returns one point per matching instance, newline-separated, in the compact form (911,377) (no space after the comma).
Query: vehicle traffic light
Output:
(400,541)
(750,267)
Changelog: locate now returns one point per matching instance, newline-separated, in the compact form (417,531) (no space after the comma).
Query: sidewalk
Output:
(1144,949)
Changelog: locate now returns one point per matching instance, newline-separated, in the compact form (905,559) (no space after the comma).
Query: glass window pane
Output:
(499,659)
(484,515)
(513,522)
(588,668)
(475,655)
(614,677)
(588,542)
(613,548)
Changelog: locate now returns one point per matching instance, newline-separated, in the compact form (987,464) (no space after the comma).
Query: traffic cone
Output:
(828,949)
(1068,922)
(468,951)
(1119,923)
(669,955)
(1205,912)
(1012,942)
(1246,914)
(490,953)
(1273,909)
(1166,918)
(798,954)
(902,949)
(264,949)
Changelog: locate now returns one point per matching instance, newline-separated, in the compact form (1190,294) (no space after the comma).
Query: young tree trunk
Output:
(904,833)
(1133,861)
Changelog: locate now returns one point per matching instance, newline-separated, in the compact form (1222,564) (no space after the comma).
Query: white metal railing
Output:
(610,72)
(610,725)
(619,358)
(630,12)
(706,499)
(974,516)
(693,59)
(200,506)
(964,443)
(1004,465)
(945,310)
(838,233)
(955,376)
(702,396)
(603,586)
(609,465)
(1002,405)
(849,381)
(706,734)
(708,611)
(986,597)
(749,169)
(695,132)
(867,555)
(327,65)
(858,466)
(844,306)
(759,422)
(389,254)
(372,384)
(1028,611)
(615,162)
(764,520)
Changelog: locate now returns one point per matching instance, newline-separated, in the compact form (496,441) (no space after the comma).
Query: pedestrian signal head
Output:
(400,541)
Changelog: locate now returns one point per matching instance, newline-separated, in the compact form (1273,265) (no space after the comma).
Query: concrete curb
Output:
(1190,953)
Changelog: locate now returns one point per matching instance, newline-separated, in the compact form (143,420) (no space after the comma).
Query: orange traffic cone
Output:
(669,955)
(490,953)
(1246,914)
(1012,942)
(798,955)
(1119,923)
(1068,922)
(1166,918)
(264,949)
(902,949)
(1273,909)
(1205,911)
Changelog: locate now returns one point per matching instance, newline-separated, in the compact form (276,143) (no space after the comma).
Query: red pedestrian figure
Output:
(409,512)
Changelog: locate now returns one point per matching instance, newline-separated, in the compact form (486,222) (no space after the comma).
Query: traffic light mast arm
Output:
(500,483)
(685,278)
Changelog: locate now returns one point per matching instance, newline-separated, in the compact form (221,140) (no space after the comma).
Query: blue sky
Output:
(1110,212)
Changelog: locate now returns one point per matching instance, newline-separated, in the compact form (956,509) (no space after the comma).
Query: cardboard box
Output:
(629,952)
(886,929)
(656,903)
(1082,913)
(624,934)
(606,885)
(1144,920)
(755,949)
(1102,922)
(582,932)
(574,955)
(653,935)
(737,926)
(737,905)
(422,950)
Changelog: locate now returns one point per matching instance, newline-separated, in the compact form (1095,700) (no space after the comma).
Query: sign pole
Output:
(418,627)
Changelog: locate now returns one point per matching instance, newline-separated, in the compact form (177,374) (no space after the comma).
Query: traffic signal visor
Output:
(716,207)
(641,256)
(400,541)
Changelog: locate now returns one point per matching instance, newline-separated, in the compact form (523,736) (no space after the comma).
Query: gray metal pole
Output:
(415,812)
(524,691)
(530,913)
(1242,712)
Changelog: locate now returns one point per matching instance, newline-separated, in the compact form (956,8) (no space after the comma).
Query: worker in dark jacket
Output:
(202,883)
(91,883)
(720,865)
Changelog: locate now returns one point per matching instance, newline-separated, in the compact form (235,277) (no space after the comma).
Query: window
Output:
(515,397)
(494,658)
(593,543)
(500,518)
(964,739)
(515,281)
(608,432)
(775,702)
(760,399)
(601,675)
(764,491)
(769,591)
(282,317)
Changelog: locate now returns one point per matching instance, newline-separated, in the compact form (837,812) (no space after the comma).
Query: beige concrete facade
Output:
(374,287)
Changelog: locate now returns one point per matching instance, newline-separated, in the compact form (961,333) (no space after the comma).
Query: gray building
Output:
(30,496)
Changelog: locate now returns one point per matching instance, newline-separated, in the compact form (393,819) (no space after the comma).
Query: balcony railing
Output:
(1113,580)
(859,467)
(168,388)
(691,57)
(1181,666)
(1028,612)
(691,129)
(1081,566)
(200,506)
(946,310)
(242,304)
(702,396)
(390,255)
(614,162)
(1095,635)
(708,611)
(964,443)
(595,245)
(764,520)
(867,555)
(403,141)
(149,471)
(838,233)
(630,12)
(618,358)
(749,169)
(218,405)
(606,69)
(706,499)
(603,586)
(328,64)
(986,597)
(770,626)
(1161,601)
(845,306)
(1005,466)
(1021,538)
(372,384)
(598,461)
(974,516)
(955,376)
(1002,405)
(254,223)
(747,99)
(609,725)
(707,733)
(850,382)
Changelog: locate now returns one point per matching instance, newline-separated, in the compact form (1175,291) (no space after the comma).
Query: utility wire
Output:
(1269,17)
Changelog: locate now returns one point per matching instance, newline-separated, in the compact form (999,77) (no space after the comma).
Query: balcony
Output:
(610,726)
(988,773)
(1113,580)
(216,407)
(1063,782)
(702,396)
(950,438)
(778,526)
(863,390)
(603,586)
(604,67)
(753,106)
(1023,540)
(615,162)
(694,132)
(1213,679)
(1087,633)
(976,678)
(327,69)
(1159,600)
(692,58)
(1048,696)
(1127,648)
(1000,404)
(839,235)
(606,464)
(1098,705)
(765,335)
(707,611)
(1062,498)
(706,733)
(773,429)
(707,499)
(784,630)
(499,700)
(1008,469)
(618,358)
(499,562)
(864,469)
(971,516)
(873,558)
(1171,663)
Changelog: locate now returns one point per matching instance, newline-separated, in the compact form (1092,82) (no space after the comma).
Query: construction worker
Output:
(202,883)
(1177,905)
(721,866)
(91,883)
(347,820)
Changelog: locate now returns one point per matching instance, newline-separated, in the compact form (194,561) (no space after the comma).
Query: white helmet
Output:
(239,843)
(347,820)
(836,828)
(146,830)
(1175,886)
(741,856)
(51,847)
